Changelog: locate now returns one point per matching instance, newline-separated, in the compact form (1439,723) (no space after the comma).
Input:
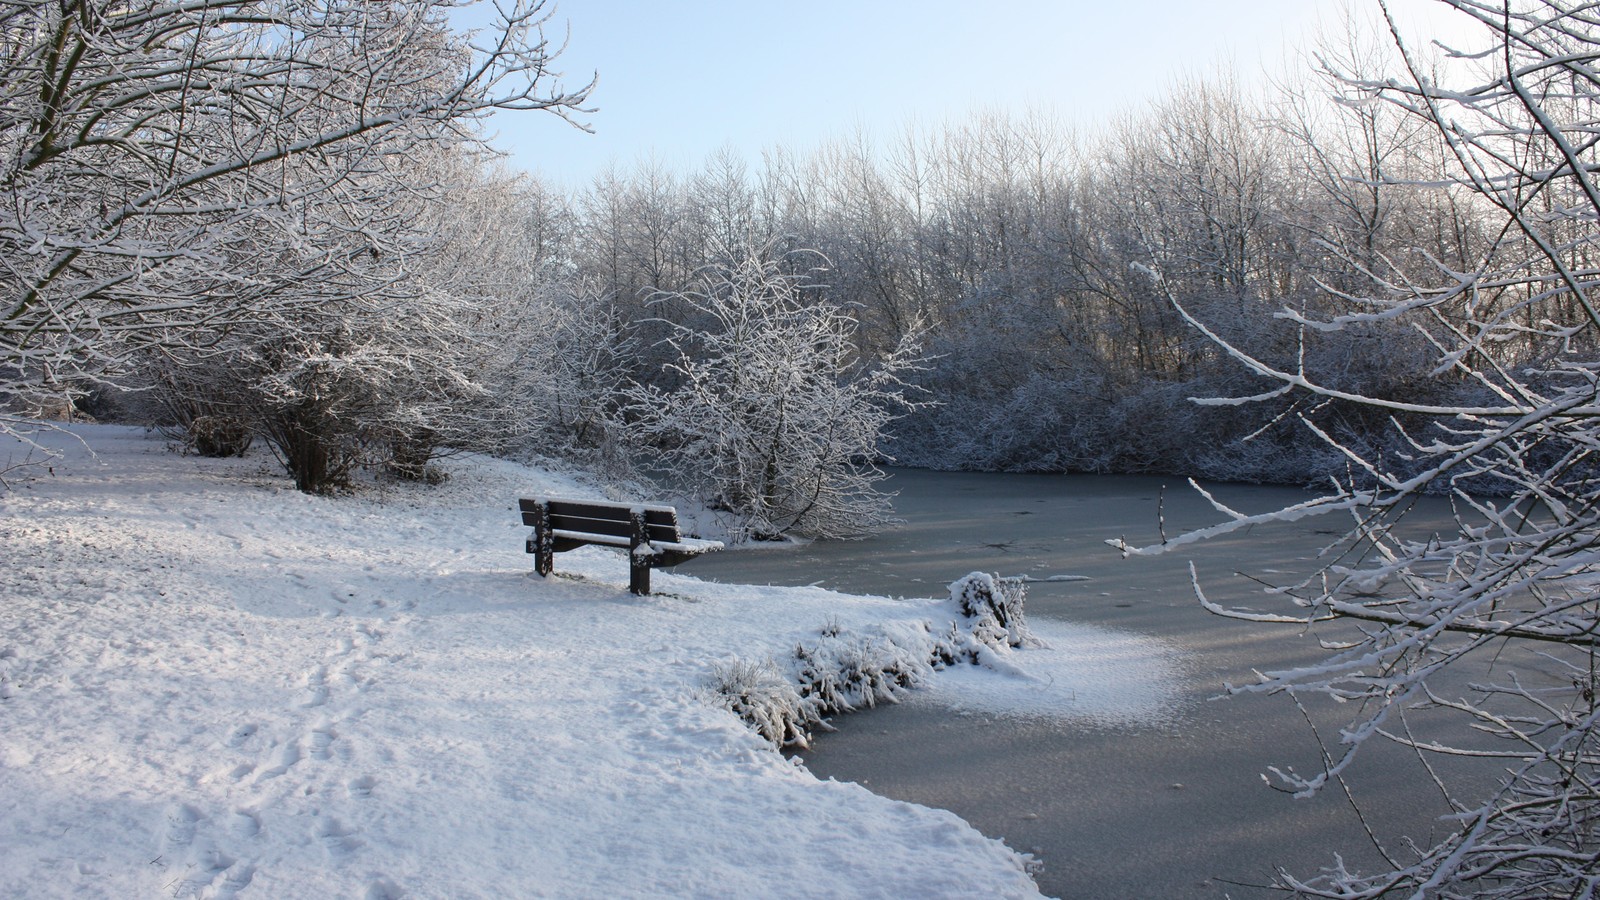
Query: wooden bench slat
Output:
(601,517)
(609,507)
(604,509)
(623,529)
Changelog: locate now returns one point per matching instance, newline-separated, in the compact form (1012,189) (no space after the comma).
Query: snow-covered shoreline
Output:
(215,686)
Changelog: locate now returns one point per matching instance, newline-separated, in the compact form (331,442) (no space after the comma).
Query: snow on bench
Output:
(649,531)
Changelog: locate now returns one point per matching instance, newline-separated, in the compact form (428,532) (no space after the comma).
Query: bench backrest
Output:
(603,517)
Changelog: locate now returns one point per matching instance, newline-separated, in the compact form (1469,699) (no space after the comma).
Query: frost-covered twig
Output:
(1520,570)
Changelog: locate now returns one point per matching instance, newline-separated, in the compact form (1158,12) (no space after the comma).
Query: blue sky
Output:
(679,80)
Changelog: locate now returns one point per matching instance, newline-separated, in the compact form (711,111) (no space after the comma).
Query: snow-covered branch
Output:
(1520,574)
(172,173)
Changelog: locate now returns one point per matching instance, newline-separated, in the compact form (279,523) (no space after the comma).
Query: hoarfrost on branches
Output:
(775,417)
(173,174)
(1517,331)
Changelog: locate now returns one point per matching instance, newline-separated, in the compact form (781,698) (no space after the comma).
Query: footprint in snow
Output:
(198,879)
(239,878)
(289,757)
(320,740)
(316,688)
(338,838)
(384,889)
(361,788)
(181,826)
(241,734)
(245,824)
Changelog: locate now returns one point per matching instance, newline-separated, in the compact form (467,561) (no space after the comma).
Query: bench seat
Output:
(649,531)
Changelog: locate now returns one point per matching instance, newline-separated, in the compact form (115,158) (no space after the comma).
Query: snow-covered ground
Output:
(212,685)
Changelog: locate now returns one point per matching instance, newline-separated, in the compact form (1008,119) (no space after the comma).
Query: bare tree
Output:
(1519,580)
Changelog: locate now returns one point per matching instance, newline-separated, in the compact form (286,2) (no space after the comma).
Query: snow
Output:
(1091,676)
(216,686)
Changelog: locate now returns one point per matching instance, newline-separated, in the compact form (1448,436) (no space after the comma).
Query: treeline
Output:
(247,237)
(1047,273)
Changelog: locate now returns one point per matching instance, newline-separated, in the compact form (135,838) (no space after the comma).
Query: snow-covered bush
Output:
(197,406)
(218,436)
(834,673)
(775,418)
(765,699)
(584,355)
(837,671)
(841,672)
(996,605)
(443,333)
(331,406)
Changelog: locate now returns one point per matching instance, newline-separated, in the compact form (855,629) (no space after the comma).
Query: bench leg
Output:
(638,564)
(544,550)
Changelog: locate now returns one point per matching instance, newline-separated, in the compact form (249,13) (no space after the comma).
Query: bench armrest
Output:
(609,540)
(684,545)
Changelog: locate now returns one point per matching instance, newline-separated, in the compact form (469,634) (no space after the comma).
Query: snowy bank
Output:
(212,685)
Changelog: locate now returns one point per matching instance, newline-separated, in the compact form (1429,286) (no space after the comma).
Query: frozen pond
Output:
(1116,767)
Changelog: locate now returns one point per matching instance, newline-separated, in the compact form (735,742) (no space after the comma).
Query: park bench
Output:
(648,531)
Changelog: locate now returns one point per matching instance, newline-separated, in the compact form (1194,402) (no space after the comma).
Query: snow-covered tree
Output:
(1518,581)
(496,268)
(412,348)
(587,358)
(177,177)
(776,417)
